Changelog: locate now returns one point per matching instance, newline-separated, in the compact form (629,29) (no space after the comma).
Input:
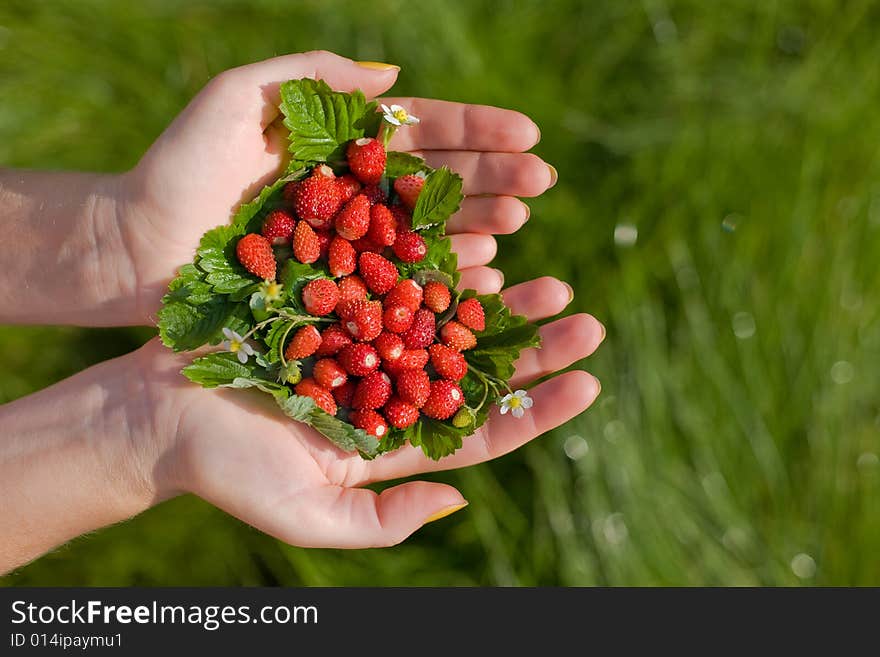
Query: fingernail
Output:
(377,66)
(554,175)
(528,210)
(501,276)
(538,128)
(602,326)
(442,513)
(598,385)
(570,291)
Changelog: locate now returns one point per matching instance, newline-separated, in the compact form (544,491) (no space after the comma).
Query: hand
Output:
(229,142)
(238,452)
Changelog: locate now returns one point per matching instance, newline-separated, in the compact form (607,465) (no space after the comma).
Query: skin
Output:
(124,435)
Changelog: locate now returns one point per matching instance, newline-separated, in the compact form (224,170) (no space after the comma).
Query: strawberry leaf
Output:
(439,199)
(399,164)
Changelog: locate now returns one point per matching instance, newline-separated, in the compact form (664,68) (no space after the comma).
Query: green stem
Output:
(386,132)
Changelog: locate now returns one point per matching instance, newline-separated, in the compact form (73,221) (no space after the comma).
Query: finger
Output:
(457,126)
(509,174)
(473,250)
(563,343)
(484,280)
(538,299)
(493,215)
(555,401)
(338,517)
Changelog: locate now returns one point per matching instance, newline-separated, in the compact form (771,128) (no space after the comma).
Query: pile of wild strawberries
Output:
(384,360)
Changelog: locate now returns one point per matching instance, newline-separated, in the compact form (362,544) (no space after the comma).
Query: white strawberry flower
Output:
(237,345)
(397,116)
(516,403)
(271,291)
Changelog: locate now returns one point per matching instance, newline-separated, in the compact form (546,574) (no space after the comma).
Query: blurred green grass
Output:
(718,208)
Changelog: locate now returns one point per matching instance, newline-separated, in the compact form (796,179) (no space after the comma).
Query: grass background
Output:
(736,440)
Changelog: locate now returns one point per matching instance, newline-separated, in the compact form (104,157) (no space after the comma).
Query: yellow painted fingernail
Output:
(377,66)
(554,175)
(442,513)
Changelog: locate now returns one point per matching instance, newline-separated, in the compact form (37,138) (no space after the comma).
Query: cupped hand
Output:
(236,450)
(230,141)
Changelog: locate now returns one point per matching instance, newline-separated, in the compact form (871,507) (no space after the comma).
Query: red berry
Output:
(375,194)
(278,227)
(362,320)
(408,189)
(341,256)
(366,159)
(383,225)
(403,218)
(320,296)
(400,414)
(389,346)
(333,339)
(410,246)
(413,387)
(323,398)
(344,393)
(397,319)
(358,359)
(437,296)
(324,239)
(372,391)
(352,288)
(366,244)
(448,362)
(406,293)
(353,220)
(329,374)
(306,245)
(410,359)
(444,400)
(289,191)
(471,314)
(458,336)
(421,333)
(303,343)
(370,421)
(255,254)
(348,186)
(317,199)
(379,274)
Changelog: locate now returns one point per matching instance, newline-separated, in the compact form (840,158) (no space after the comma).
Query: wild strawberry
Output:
(399,413)
(366,159)
(413,387)
(317,199)
(358,359)
(448,362)
(406,293)
(344,394)
(366,244)
(323,398)
(410,359)
(341,256)
(329,374)
(410,246)
(458,336)
(403,218)
(389,346)
(379,274)
(362,320)
(383,225)
(353,220)
(306,245)
(437,296)
(408,189)
(348,186)
(370,421)
(397,319)
(278,227)
(303,344)
(421,333)
(255,254)
(352,288)
(324,239)
(375,194)
(320,296)
(372,391)
(471,314)
(289,191)
(333,339)
(444,400)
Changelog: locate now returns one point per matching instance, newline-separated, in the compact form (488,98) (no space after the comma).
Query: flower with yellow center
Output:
(271,290)
(398,116)
(237,345)
(515,402)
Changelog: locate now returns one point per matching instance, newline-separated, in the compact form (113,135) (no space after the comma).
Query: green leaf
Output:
(321,121)
(294,276)
(399,164)
(184,326)
(437,439)
(218,369)
(341,434)
(298,407)
(505,335)
(439,199)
